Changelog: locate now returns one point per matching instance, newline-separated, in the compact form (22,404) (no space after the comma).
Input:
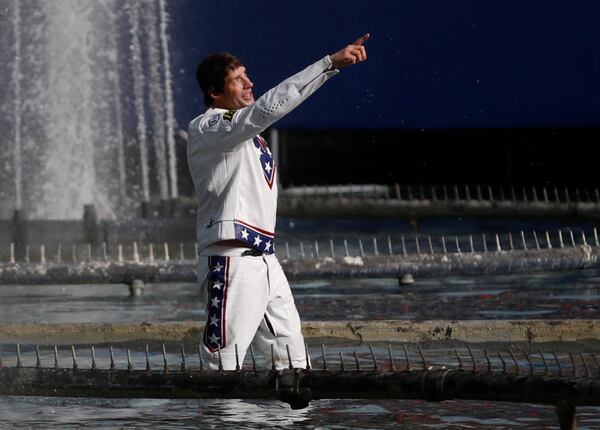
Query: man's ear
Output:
(215,95)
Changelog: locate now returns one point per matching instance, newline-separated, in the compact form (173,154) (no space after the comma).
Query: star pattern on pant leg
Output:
(218,279)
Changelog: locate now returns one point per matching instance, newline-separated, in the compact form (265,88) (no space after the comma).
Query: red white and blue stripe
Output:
(218,281)
(255,237)
(266,159)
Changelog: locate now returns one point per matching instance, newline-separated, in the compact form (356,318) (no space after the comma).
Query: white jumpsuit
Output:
(249,298)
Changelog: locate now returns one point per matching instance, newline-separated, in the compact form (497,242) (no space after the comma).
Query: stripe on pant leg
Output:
(218,282)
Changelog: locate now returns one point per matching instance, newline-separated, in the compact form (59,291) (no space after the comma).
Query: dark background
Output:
(492,92)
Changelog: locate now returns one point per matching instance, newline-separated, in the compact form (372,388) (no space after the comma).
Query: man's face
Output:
(237,91)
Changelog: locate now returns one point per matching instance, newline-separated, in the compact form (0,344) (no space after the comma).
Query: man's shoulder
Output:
(214,119)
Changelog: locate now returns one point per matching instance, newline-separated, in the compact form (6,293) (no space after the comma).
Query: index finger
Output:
(362,39)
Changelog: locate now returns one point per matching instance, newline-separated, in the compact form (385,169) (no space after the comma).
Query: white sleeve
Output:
(233,127)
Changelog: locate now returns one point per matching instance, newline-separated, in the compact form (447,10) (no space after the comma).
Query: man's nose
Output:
(248,83)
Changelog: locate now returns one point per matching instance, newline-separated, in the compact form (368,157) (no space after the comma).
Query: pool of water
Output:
(572,294)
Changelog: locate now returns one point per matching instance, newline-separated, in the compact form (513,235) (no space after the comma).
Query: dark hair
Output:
(212,71)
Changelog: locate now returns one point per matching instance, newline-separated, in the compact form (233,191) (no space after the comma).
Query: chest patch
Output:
(266,159)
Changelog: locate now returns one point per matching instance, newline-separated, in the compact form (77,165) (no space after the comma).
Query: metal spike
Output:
(596,237)
(534,192)
(523,240)
(27,254)
(545,194)
(287,250)
(406,357)
(556,196)
(374,359)
(596,195)
(331,248)
(473,361)
(560,372)
(503,362)
(525,199)
(342,366)
(183,361)
(392,367)
(129,365)
(573,363)
(12,253)
(74,355)
(18,355)
(430,245)
(253,359)
(403,245)
(221,359)
(585,365)
(417,245)
(467,193)
(471,245)
(104,251)
(38,362)
(502,196)
(346,253)
(498,247)
(583,238)
(272,357)
(433,195)
(181,252)
(479,195)
(307,356)
(42,254)
(148,366)
(560,239)
(120,253)
(510,241)
(237,357)
(489,363)
(484,242)
(535,238)
(357,362)
(200,357)
(397,191)
(89,252)
(390,249)
(287,348)
(56,361)
(490,193)
(460,363)
(375,249)
(548,242)
(164,354)
(166,251)
(546,369)
(151,252)
(93,353)
(317,249)
(457,244)
(302,254)
(517,368)
(136,255)
(444,245)
(528,361)
(456,196)
(410,194)
(324,357)
(445,192)
(572,238)
(423,361)
(513,194)
(360,247)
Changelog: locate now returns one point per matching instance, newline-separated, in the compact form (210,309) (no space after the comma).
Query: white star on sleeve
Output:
(215,302)
(257,241)
(268,167)
(268,246)
(217,285)
(218,267)
(214,320)
(213,338)
(244,234)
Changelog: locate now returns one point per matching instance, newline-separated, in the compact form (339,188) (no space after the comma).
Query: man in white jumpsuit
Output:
(249,298)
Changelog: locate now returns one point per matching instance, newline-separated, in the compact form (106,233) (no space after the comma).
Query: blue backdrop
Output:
(432,63)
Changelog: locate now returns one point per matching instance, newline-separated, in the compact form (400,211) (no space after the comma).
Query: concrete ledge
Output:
(435,331)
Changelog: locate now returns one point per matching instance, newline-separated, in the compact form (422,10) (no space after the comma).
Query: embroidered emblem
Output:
(218,281)
(213,120)
(266,159)
(228,115)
